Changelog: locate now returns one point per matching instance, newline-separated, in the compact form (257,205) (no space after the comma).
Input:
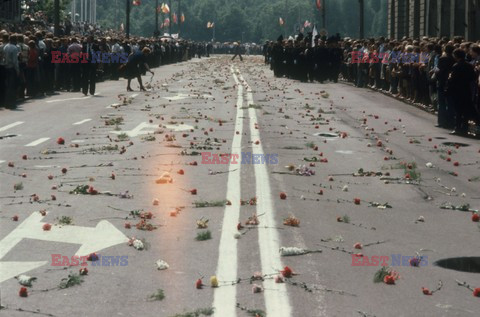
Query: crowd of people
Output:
(440,74)
(28,68)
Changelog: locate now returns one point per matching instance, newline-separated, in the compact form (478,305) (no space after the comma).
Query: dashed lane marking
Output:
(37,142)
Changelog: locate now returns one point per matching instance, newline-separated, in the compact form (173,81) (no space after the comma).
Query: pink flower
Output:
(256,288)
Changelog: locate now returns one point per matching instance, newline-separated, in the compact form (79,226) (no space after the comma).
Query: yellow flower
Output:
(213,281)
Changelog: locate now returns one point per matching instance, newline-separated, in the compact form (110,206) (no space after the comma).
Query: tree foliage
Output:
(252,20)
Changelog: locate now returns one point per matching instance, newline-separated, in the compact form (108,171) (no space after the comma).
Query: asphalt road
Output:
(123,144)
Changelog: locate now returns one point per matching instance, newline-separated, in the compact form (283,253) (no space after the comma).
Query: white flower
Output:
(453,190)
(345,188)
(138,244)
(464,195)
(429,165)
(25,280)
(162,265)
(421,219)
(288,251)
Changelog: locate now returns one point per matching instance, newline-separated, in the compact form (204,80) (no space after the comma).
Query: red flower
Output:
(476,292)
(47,227)
(23,292)
(60,141)
(456,164)
(287,272)
(193,191)
(426,291)
(24,156)
(357,201)
(257,142)
(50,176)
(64,170)
(92,190)
(83,271)
(448,159)
(389,279)
(15,218)
(92,257)
(194,163)
(181,172)
(283,195)
(199,284)
(475,217)
(358,245)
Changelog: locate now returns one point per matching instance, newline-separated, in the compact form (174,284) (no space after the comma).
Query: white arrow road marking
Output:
(177,97)
(276,297)
(5,128)
(12,269)
(75,98)
(37,142)
(178,127)
(138,130)
(82,122)
(104,235)
(225,299)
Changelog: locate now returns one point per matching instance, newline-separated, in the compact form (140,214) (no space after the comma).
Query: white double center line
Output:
(5,128)
(276,297)
(225,298)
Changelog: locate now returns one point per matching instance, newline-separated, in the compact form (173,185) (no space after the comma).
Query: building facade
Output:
(434,18)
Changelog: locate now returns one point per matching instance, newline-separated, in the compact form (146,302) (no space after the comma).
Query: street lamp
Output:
(56,17)
(362,31)
(127,23)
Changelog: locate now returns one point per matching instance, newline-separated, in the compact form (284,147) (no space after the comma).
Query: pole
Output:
(324,9)
(362,31)
(127,23)
(179,17)
(56,17)
(170,17)
(156,19)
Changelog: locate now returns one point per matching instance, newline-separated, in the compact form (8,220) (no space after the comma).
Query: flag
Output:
(319,4)
(137,2)
(314,34)
(165,8)
(174,18)
(182,18)
(280,21)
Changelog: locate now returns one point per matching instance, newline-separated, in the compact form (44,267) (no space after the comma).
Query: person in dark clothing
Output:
(89,69)
(460,86)
(446,113)
(137,62)
(237,51)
